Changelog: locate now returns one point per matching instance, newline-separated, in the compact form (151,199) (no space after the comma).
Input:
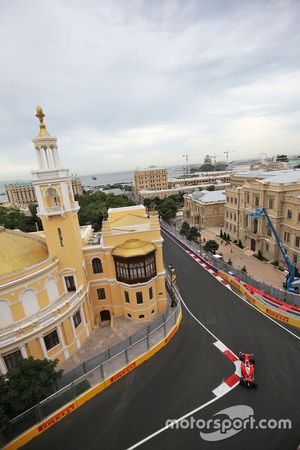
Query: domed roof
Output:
(19,250)
(133,247)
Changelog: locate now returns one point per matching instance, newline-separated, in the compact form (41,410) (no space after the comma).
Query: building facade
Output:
(279,193)
(150,179)
(56,286)
(204,209)
(22,195)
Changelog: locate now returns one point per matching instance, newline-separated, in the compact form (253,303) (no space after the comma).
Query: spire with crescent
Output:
(40,115)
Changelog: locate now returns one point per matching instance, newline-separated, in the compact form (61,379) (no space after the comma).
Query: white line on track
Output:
(218,391)
(249,304)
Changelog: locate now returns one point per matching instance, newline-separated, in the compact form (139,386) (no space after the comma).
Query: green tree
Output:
(185,227)
(192,234)
(212,187)
(29,382)
(211,246)
(15,219)
(147,203)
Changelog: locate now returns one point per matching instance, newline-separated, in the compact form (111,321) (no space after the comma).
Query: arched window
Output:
(30,302)
(6,317)
(53,197)
(97,265)
(52,290)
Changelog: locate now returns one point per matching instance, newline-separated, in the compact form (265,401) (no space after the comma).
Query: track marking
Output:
(219,392)
(242,298)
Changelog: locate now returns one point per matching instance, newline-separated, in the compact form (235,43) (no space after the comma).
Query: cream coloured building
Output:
(279,193)
(56,286)
(204,209)
(155,178)
(22,194)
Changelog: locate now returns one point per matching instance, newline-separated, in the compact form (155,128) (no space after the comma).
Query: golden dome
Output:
(133,247)
(19,250)
(40,115)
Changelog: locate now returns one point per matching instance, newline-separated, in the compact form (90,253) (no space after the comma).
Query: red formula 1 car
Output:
(247,369)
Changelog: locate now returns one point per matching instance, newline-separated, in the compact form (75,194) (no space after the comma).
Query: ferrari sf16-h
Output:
(247,369)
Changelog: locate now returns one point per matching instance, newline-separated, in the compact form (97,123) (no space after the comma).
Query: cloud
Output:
(138,82)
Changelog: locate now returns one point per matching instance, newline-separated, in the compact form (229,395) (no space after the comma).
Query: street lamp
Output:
(172,281)
(199,240)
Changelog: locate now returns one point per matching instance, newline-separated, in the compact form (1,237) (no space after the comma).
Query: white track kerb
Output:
(219,391)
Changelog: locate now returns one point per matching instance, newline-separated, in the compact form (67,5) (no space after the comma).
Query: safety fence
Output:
(284,296)
(105,368)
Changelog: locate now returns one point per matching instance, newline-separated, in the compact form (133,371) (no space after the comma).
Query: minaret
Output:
(56,205)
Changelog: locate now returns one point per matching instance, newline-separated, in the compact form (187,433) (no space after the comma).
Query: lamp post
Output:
(172,280)
(199,240)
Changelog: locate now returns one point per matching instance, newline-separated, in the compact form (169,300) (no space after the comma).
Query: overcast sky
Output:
(126,84)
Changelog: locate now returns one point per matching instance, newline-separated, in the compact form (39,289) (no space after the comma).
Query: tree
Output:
(244,269)
(29,382)
(168,208)
(240,244)
(185,227)
(192,234)
(211,246)
(147,203)
(13,218)
(221,234)
(212,187)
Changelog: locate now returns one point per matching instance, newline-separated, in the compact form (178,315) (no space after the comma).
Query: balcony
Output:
(58,210)
(37,322)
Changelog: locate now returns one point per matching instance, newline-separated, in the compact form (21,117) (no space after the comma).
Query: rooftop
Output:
(183,188)
(19,251)
(209,196)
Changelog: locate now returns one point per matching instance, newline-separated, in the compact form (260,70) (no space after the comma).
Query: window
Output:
(60,236)
(151,293)
(297,241)
(70,283)
(126,294)
(152,312)
(257,200)
(298,217)
(269,231)
(97,265)
(247,197)
(77,319)
(289,214)
(295,258)
(129,315)
(101,294)
(267,247)
(135,270)
(51,340)
(139,297)
(235,201)
(12,359)
(286,236)
(271,202)
(141,316)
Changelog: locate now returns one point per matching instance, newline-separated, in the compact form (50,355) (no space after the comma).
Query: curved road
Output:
(181,377)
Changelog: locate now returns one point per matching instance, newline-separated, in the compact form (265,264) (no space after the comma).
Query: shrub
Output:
(244,269)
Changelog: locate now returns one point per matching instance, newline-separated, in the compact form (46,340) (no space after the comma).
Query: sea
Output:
(98,179)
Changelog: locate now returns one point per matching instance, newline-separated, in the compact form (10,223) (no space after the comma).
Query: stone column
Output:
(84,321)
(3,368)
(43,347)
(62,341)
(77,340)
(23,351)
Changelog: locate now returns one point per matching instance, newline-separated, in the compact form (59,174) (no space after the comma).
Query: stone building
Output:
(204,209)
(279,193)
(56,286)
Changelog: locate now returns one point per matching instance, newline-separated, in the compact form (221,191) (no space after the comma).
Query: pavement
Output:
(101,339)
(263,271)
(179,379)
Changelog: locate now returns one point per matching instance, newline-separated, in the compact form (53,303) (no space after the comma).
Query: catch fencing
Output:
(280,294)
(97,369)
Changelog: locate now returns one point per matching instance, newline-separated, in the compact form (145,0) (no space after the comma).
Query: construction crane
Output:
(292,283)
(186,156)
(227,153)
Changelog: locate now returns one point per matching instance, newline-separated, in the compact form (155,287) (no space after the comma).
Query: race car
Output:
(247,369)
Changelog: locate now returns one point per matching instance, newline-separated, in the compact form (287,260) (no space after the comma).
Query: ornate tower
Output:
(57,207)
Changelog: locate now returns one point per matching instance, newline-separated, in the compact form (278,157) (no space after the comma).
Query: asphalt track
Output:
(181,377)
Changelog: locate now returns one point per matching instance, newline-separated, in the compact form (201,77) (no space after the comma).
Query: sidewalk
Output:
(263,271)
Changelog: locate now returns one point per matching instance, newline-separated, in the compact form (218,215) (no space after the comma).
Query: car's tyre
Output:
(241,357)
(242,381)
(254,385)
(252,360)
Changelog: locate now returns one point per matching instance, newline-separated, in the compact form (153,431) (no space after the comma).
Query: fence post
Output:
(39,411)
(130,341)
(148,342)
(165,328)
(126,356)
(101,371)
